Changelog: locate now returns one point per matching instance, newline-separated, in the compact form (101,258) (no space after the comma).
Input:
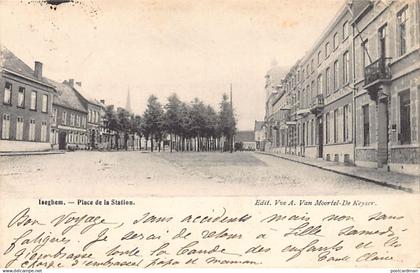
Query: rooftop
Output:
(66,96)
(245,136)
(258,125)
(10,61)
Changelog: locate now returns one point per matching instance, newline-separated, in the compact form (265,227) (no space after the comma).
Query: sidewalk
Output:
(405,182)
(31,153)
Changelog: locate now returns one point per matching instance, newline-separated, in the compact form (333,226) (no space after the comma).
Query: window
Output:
(90,116)
(64,118)
(402,31)
(7,98)
(345,123)
(312,89)
(298,98)
(327,50)
(33,100)
(312,132)
(319,58)
(346,67)
(335,41)
(44,106)
(53,138)
(327,81)
(78,121)
(336,74)
(319,85)
(308,95)
(365,55)
(84,122)
(327,128)
(32,130)
(382,34)
(71,119)
(345,30)
(405,123)
(19,128)
(366,137)
(5,128)
(21,97)
(54,116)
(335,125)
(44,131)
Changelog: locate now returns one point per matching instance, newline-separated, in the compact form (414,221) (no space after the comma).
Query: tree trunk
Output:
(139,142)
(151,144)
(170,141)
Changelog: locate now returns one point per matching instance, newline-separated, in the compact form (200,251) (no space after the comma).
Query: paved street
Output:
(164,174)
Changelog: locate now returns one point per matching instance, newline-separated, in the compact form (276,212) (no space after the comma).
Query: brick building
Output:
(95,113)
(26,105)
(69,119)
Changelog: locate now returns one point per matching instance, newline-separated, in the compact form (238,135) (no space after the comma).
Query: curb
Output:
(31,153)
(367,179)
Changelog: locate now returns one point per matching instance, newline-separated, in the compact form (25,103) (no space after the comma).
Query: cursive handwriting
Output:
(206,236)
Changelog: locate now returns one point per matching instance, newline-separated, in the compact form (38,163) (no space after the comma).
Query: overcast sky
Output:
(193,48)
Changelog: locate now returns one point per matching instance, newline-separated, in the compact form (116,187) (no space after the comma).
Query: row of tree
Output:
(182,126)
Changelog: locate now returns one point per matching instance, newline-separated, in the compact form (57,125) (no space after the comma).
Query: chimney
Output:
(102,101)
(79,84)
(71,82)
(38,70)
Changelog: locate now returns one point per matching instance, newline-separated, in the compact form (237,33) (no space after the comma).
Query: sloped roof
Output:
(245,136)
(10,61)
(258,125)
(66,96)
(82,92)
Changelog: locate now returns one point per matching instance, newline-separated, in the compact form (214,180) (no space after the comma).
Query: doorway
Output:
(320,138)
(382,127)
(62,141)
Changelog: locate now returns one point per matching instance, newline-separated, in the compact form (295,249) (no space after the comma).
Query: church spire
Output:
(128,103)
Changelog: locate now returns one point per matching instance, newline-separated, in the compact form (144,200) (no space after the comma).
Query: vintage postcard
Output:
(209,134)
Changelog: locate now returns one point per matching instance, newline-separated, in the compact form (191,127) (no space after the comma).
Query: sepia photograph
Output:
(172,130)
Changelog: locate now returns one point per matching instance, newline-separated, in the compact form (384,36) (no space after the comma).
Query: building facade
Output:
(273,80)
(245,141)
(26,105)
(259,134)
(95,114)
(69,119)
(326,94)
(387,88)
(354,96)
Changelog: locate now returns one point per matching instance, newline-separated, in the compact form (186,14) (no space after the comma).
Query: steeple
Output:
(128,103)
